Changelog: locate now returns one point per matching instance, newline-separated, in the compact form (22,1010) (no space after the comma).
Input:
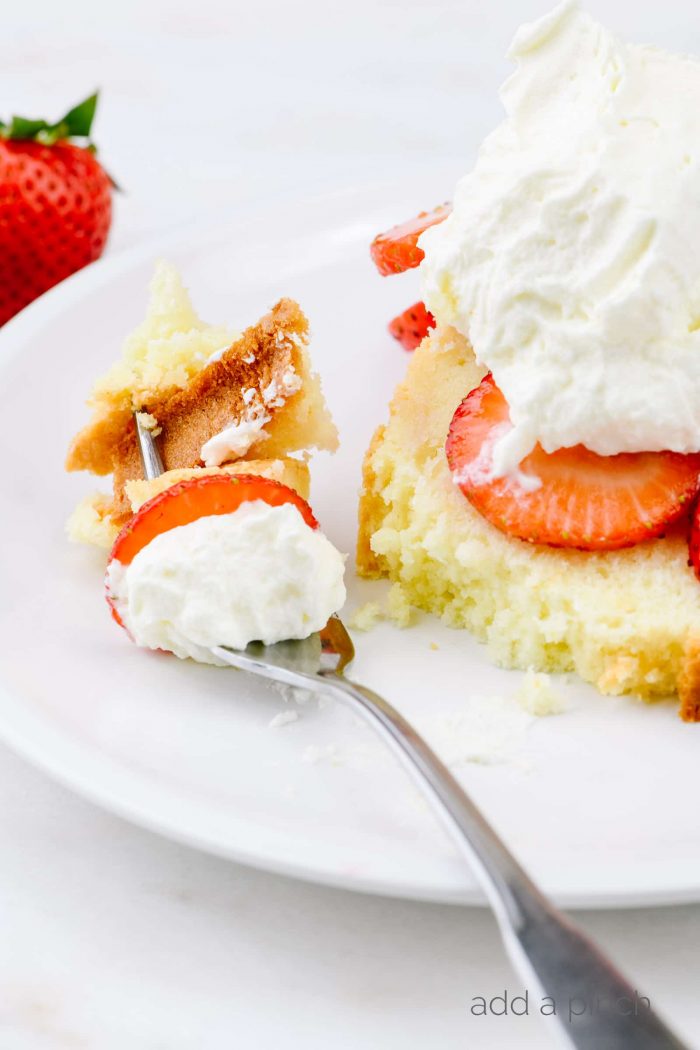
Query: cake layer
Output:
(291,472)
(264,378)
(224,393)
(628,621)
(161,355)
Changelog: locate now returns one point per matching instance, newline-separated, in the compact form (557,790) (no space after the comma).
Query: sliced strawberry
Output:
(412,326)
(397,249)
(587,501)
(198,498)
(694,541)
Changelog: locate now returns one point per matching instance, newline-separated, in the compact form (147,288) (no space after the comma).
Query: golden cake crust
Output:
(213,399)
(689,680)
(371,511)
(627,621)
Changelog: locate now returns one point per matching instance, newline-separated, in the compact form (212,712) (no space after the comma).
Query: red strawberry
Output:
(412,326)
(585,500)
(195,498)
(397,249)
(55,204)
(694,541)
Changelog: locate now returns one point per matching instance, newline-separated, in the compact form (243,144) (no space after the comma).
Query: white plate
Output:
(596,802)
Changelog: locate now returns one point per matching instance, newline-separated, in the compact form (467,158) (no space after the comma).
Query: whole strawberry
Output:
(55,204)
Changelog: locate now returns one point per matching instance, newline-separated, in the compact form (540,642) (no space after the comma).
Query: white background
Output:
(111,938)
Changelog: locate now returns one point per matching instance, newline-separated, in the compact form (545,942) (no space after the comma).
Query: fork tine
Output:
(150,456)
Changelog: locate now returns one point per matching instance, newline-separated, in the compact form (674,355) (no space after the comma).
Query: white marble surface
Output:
(112,937)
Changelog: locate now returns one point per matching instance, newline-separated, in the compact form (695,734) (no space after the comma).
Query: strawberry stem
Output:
(76,124)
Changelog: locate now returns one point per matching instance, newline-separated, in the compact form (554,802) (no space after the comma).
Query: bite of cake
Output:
(223,560)
(213,400)
(221,548)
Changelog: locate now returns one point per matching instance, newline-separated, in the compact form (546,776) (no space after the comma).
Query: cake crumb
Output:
(314,753)
(292,693)
(91,522)
(367,616)
(434,646)
(396,608)
(485,730)
(283,719)
(399,607)
(537,696)
(149,422)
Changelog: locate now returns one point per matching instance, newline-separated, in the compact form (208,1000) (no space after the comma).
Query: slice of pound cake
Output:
(539,476)
(626,620)
(215,402)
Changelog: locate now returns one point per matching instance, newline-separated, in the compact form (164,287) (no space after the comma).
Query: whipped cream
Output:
(235,440)
(572,257)
(218,354)
(258,574)
(239,437)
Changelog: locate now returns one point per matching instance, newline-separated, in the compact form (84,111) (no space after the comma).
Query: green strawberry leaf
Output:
(79,119)
(24,128)
(52,134)
(77,123)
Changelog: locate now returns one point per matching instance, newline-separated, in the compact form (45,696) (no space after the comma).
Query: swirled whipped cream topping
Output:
(571,259)
(258,574)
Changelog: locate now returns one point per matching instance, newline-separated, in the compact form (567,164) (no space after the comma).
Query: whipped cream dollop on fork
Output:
(571,259)
(258,574)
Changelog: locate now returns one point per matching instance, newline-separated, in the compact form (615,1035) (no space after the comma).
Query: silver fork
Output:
(596,1007)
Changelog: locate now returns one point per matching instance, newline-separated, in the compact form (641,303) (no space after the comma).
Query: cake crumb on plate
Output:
(537,696)
(485,730)
(366,616)
(283,719)
(316,753)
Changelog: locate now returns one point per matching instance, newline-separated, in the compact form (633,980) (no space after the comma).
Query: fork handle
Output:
(595,1005)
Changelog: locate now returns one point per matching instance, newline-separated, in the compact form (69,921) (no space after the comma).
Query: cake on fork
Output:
(216,401)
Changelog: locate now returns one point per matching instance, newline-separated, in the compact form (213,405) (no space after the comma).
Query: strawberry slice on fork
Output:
(195,498)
